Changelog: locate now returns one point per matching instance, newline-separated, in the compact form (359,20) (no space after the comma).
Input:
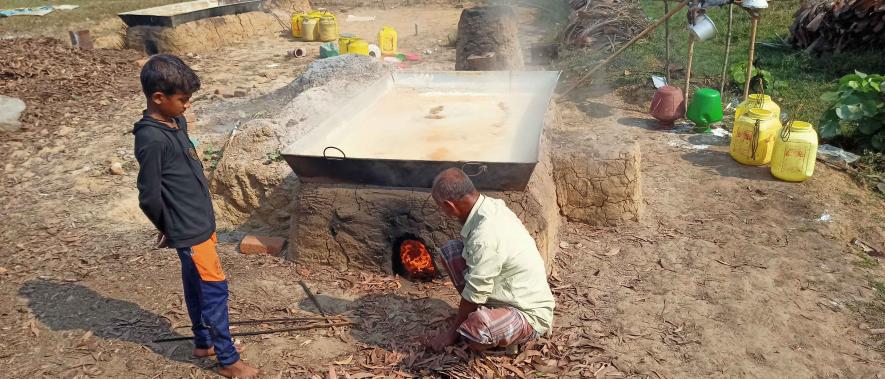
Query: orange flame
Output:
(416,260)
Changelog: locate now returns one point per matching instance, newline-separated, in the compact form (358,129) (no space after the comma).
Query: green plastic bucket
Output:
(705,109)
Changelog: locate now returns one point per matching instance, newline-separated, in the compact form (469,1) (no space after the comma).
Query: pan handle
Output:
(480,168)
(341,158)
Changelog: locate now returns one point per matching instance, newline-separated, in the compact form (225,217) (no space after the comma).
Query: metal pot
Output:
(754,4)
(703,28)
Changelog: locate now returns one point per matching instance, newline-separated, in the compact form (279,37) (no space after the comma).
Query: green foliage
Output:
(856,110)
(211,155)
(739,76)
(867,262)
(273,156)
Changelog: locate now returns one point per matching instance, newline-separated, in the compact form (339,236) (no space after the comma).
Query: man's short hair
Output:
(452,184)
(168,74)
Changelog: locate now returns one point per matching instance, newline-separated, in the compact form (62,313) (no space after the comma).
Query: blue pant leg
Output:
(190,278)
(214,305)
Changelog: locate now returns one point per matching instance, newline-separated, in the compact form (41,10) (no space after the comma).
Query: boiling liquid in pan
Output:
(412,124)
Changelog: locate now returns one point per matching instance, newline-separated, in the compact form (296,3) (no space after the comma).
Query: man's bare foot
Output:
(238,370)
(210,352)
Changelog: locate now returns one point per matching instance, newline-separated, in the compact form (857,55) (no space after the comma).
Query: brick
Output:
(251,245)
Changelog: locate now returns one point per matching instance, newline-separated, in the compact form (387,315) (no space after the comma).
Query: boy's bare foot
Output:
(210,352)
(238,370)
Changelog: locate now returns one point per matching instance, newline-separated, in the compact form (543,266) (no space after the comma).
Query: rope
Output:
(785,131)
(755,142)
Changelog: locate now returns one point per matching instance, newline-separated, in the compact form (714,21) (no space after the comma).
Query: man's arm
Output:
(150,197)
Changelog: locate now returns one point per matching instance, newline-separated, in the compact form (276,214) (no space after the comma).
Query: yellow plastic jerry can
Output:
(358,46)
(795,151)
(757,100)
(752,139)
(387,41)
(343,42)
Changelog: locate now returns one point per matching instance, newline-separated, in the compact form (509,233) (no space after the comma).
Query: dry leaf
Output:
(33,325)
(346,361)
(613,252)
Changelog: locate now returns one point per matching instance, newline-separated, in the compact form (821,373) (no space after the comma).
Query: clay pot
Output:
(667,106)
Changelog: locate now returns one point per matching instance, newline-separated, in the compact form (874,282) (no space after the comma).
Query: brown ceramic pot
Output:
(667,106)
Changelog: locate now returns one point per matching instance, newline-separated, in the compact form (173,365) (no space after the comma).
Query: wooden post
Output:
(629,43)
(667,40)
(755,23)
(727,52)
(688,67)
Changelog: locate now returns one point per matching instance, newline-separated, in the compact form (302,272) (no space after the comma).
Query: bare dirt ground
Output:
(730,273)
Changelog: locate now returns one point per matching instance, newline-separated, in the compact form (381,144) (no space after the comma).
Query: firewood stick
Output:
(688,66)
(255,333)
(755,23)
(614,55)
(320,308)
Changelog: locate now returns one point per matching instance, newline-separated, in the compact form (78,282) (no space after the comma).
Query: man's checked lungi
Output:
(498,327)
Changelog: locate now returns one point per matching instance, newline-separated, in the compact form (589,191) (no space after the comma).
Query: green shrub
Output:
(857,111)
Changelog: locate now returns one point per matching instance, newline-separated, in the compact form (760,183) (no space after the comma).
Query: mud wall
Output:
(202,35)
(598,181)
(383,3)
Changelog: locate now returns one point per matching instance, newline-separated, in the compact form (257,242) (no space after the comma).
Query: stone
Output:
(597,183)
(64,130)
(240,92)
(117,168)
(141,62)
(11,109)
(252,245)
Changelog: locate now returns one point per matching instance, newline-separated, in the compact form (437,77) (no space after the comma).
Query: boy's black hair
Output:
(168,74)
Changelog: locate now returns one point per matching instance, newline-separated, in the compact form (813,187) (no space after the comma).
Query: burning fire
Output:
(416,260)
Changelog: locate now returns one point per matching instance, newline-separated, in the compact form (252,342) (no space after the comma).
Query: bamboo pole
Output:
(688,67)
(614,55)
(727,52)
(754,25)
(667,40)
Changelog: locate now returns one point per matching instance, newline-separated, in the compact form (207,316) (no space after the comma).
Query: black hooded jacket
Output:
(172,190)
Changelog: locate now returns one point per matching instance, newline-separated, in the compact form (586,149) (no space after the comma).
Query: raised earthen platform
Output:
(357,227)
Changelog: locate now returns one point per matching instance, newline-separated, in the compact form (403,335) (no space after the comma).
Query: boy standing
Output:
(174,195)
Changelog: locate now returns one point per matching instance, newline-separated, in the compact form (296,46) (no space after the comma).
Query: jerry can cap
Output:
(760,114)
(800,125)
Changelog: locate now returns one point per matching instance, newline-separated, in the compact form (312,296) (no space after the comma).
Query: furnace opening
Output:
(411,259)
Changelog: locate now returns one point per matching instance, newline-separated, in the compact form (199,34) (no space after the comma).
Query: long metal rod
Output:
(688,67)
(319,307)
(255,333)
(667,40)
(727,51)
(755,24)
(282,320)
(639,36)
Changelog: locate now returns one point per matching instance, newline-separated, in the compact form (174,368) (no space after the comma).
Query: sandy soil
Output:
(730,273)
